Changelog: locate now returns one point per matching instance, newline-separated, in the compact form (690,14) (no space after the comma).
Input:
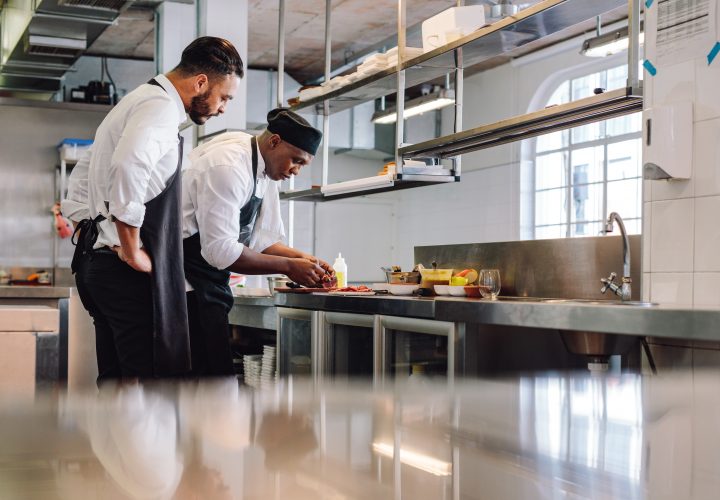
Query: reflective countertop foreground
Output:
(534,437)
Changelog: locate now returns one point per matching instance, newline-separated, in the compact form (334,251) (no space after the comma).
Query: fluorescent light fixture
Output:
(418,106)
(414,459)
(352,186)
(57,42)
(609,43)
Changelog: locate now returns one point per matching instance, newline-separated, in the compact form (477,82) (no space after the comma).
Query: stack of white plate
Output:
(267,373)
(252,367)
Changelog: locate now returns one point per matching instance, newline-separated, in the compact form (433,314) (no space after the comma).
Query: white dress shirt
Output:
(75,205)
(216,185)
(134,154)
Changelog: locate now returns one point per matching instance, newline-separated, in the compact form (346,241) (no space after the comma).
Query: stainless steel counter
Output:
(657,321)
(34,292)
(544,436)
(388,305)
(255,312)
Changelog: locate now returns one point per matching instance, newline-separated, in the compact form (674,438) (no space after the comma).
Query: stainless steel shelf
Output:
(404,181)
(312,194)
(591,109)
(543,19)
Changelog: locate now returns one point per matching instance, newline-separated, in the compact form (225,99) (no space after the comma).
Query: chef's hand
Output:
(305,272)
(324,265)
(138,260)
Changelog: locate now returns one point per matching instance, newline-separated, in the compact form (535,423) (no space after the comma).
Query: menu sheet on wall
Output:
(686,29)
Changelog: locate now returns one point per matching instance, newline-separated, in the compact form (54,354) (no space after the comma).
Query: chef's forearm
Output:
(284,251)
(252,262)
(129,237)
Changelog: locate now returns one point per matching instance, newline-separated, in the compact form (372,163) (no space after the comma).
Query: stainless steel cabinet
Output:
(344,345)
(411,347)
(296,343)
(348,345)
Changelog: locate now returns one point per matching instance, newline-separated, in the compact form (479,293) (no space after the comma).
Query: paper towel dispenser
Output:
(668,141)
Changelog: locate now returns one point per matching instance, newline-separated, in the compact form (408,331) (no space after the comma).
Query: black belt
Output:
(105,251)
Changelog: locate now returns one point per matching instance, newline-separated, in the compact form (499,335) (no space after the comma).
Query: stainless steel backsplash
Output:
(562,268)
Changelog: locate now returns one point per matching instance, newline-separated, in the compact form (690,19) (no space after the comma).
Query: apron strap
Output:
(84,237)
(153,81)
(253,144)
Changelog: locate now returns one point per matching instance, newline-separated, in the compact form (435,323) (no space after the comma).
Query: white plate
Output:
(397,289)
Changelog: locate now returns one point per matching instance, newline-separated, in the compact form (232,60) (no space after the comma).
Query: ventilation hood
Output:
(42,39)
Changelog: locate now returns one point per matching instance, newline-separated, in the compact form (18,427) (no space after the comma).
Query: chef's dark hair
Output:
(211,55)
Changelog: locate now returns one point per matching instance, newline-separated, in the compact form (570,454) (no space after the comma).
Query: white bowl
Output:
(442,289)
(403,289)
(456,290)
(381,286)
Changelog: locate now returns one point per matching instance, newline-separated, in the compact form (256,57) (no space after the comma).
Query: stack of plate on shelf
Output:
(373,64)
(268,373)
(252,368)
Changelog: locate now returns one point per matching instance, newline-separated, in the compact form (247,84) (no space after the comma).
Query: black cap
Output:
(294,129)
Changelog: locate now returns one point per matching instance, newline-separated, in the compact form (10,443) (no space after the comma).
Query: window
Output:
(583,174)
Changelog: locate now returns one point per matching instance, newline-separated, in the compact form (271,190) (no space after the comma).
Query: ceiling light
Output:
(414,459)
(418,106)
(609,43)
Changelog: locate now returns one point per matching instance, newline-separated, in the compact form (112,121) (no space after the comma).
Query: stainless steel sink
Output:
(592,302)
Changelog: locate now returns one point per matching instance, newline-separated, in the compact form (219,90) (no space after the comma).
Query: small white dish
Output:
(403,289)
(456,290)
(442,289)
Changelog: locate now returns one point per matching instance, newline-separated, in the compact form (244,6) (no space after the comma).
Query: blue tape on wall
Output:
(650,68)
(648,3)
(713,53)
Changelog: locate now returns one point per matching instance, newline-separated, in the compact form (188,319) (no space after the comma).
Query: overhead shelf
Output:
(403,181)
(541,20)
(591,109)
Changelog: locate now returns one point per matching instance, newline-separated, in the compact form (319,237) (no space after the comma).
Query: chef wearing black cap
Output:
(232,222)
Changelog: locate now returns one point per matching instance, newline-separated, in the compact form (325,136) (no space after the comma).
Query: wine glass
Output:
(489,282)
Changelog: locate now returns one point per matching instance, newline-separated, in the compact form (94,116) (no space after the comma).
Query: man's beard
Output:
(200,109)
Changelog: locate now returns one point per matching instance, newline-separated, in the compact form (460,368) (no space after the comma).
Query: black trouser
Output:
(209,338)
(119,299)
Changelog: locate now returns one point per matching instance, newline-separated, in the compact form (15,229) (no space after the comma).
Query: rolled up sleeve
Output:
(75,205)
(269,228)
(149,134)
(219,197)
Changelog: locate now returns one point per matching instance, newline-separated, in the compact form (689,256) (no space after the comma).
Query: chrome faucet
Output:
(624,290)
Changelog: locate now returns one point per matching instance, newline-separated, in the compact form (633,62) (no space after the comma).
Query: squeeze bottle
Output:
(340,271)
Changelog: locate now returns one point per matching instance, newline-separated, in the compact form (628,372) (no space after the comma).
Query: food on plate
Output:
(361,288)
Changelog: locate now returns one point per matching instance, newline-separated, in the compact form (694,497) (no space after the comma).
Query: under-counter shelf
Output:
(541,20)
(591,109)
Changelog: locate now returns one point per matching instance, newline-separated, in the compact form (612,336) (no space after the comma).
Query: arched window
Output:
(583,174)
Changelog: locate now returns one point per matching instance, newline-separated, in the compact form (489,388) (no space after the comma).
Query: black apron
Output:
(210,283)
(161,234)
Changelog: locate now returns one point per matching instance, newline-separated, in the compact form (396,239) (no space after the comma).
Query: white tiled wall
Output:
(681,234)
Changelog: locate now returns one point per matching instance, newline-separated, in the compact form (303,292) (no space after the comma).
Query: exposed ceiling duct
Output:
(50,35)
(111,5)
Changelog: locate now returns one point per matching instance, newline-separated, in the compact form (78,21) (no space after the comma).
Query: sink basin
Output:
(593,302)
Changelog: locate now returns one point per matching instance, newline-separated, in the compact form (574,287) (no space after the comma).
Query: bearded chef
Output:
(128,259)
(232,222)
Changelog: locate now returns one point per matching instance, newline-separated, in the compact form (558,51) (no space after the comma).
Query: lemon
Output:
(458,281)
